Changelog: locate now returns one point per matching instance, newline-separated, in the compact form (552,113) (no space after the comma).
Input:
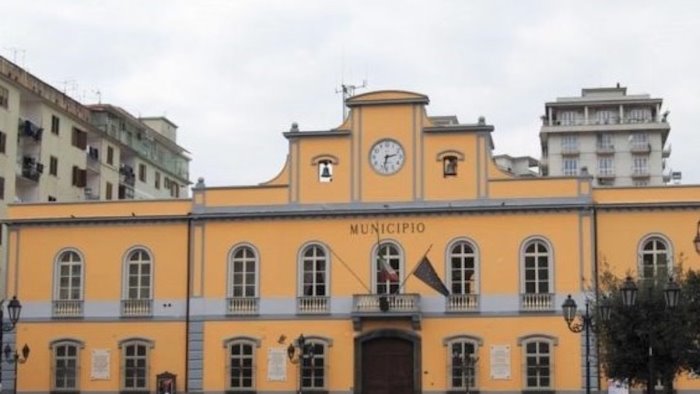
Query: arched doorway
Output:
(387,361)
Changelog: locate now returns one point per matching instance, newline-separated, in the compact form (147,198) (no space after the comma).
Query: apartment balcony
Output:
(570,150)
(31,169)
(462,303)
(67,309)
(93,160)
(385,306)
(137,308)
(640,173)
(606,175)
(537,302)
(640,147)
(666,152)
(605,149)
(30,130)
(242,305)
(313,305)
(127,175)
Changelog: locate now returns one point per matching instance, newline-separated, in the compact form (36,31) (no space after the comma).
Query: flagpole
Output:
(414,268)
(349,269)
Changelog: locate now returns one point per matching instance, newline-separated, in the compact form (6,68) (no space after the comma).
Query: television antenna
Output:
(17,51)
(348,91)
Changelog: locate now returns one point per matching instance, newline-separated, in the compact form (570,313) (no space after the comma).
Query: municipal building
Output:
(281,287)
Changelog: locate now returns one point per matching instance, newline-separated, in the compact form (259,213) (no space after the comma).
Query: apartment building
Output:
(283,286)
(618,138)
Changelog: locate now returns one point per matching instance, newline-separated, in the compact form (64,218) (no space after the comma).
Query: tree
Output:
(650,339)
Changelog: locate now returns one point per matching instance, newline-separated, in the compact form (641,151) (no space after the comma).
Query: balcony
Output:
(605,149)
(30,130)
(640,173)
(569,150)
(606,174)
(67,309)
(537,302)
(462,303)
(31,169)
(313,305)
(137,308)
(640,147)
(126,175)
(242,305)
(396,303)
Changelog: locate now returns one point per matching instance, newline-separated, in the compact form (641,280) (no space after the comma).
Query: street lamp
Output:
(303,351)
(672,293)
(13,310)
(696,241)
(586,323)
(16,360)
(466,363)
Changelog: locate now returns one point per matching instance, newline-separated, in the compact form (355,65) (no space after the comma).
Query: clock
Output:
(386,156)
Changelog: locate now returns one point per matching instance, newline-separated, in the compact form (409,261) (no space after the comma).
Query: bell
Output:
(326,171)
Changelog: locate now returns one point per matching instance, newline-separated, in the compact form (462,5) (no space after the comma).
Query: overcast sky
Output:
(234,75)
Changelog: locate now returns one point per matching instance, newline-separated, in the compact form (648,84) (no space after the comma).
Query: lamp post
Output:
(13,310)
(584,322)
(16,360)
(466,363)
(671,298)
(696,240)
(303,351)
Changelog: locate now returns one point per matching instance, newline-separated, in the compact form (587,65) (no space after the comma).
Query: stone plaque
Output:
(99,366)
(277,364)
(500,362)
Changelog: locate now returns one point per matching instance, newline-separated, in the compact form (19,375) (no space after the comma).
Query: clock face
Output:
(386,156)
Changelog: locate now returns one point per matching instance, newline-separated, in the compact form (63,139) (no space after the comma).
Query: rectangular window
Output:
(79,177)
(2,188)
(110,155)
(640,165)
(53,166)
(569,167)
(569,144)
(79,138)
(65,367)
(606,166)
(4,97)
(135,367)
(313,367)
(157,180)
(108,191)
(241,366)
(604,142)
(142,172)
(538,365)
(463,366)
(55,124)
(3,142)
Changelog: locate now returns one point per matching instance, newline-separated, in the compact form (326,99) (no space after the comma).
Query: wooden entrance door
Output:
(387,366)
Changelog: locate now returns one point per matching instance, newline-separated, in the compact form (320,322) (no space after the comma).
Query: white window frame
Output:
(233,272)
(306,276)
(605,141)
(65,342)
(396,260)
(123,346)
(640,165)
(140,263)
(525,255)
(606,166)
(569,166)
(569,143)
(462,341)
(470,286)
(316,343)
(254,344)
(58,275)
(537,340)
(654,254)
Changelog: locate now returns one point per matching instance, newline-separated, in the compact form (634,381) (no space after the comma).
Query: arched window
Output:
(462,276)
(388,268)
(655,255)
(241,363)
(463,359)
(536,268)
(313,292)
(135,364)
(538,363)
(243,280)
(138,283)
(65,365)
(68,285)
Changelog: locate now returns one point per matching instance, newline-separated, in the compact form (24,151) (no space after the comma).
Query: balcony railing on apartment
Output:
(403,303)
(569,150)
(605,149)
(462,303)
(606,174)
(31,169)
(640,147)
(640,173)
(68,308)
(127,175)
(137,308)
(242,305)
(536,302)
(311,305)
(31,130)
(592,121)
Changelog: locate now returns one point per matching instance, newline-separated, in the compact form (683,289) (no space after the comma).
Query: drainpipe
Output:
(187,305)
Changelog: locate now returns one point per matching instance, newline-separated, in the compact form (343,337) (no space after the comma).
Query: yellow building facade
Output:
(214,293)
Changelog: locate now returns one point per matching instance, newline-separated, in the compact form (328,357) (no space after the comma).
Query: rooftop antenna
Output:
(99,95)
(348,91)
(15,51)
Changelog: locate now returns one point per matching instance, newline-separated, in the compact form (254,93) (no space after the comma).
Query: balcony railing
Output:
(537,301)
(462,302)
(126,175)
(570,150)
(31,169)
(29,129)
(363,303)
(640,147)
(72,308)
(242,305)
(137,308)
(312,305)
(605,149)
(640,173)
